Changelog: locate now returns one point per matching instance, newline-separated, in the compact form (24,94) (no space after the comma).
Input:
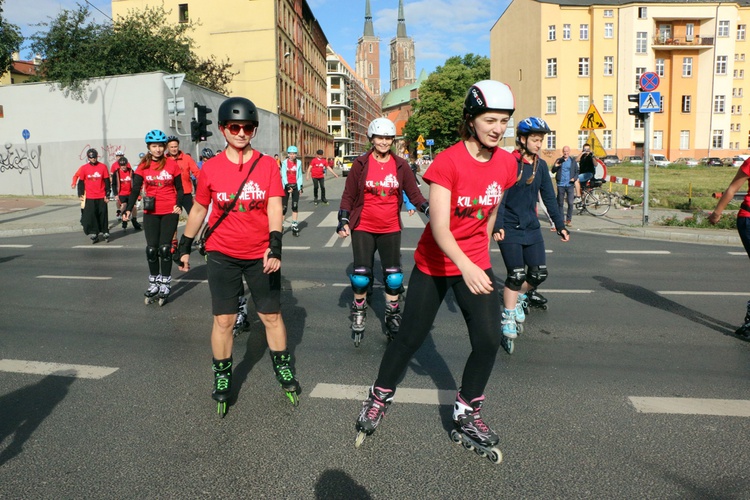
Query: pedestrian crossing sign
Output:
(649,102)
(592,120)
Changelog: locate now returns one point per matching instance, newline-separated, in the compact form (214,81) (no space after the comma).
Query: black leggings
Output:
(517,255)
(294,196)
(322,183)
(388,246)
(482,316)
(159,231)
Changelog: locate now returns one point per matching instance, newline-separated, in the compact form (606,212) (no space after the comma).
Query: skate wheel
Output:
(162,302)
(495,456)
(508,345)
(455,436)
(147,301)
(293,398)
(221,408)
(520,328)
(480,452)
(357,339)
(544,307)
(360,439)
(468,445)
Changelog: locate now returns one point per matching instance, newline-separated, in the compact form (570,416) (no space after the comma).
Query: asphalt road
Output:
(619,326)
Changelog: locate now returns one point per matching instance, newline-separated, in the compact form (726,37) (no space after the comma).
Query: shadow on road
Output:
(22,411)
(336,484)
(194,275)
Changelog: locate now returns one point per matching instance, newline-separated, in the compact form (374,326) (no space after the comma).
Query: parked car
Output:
(633,159)
(711,161)
(688,162)
(346,164)
(610,160)
(737,161)
(659,160)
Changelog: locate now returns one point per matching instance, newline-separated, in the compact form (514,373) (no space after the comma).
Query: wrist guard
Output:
(343,220)
(274,244)
(560,231)
(425,208)
(185,246)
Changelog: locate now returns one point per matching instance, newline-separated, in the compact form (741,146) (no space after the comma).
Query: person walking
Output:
(159,176)
(291,177)
(370,213)
(566,175)
(467,182)
(243,240)
(517,228)
(122,186)
(317,171)
(94,184)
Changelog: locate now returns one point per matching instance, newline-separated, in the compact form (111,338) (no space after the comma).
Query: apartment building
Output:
(561,56)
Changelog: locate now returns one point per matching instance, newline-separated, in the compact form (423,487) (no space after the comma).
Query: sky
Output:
(440,28)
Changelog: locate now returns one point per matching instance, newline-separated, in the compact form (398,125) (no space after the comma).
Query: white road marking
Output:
(375,285)
(332,240)
(15,246)
(59,369)
(641,252)
(716,294)
(692,406)
(403,394)
(347,242)
(559,290)
(330,220)
(102,245)
(94,278)
(182,280)
(744,254)
(296,248)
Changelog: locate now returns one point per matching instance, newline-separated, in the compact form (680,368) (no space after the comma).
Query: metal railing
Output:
(685,41)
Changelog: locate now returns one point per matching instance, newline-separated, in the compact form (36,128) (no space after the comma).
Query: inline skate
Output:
(165,287)
(744,330)
(105,236)
(295,228)
(373,410)
(510,330)
(520,312)
(537,300)
(241,323)
(358,314)
(282,367)
(471,430)
(392,319)
(152,291)
(222,384)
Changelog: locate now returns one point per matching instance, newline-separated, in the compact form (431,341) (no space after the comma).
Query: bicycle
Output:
(594,199)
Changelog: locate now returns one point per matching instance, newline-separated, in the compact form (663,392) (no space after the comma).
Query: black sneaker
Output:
(124,225)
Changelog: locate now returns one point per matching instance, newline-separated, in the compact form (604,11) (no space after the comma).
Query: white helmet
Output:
(489,95)
(119,153)
(382,127)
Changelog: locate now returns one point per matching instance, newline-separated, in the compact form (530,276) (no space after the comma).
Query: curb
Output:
(655,234)
(36,231)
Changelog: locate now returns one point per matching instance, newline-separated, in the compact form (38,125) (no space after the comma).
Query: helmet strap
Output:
(473,133)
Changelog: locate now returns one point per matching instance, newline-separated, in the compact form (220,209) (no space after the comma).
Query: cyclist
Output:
(517,229)
(291,177)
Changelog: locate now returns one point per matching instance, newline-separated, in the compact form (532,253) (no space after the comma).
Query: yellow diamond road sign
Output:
(592,120)
(420,139)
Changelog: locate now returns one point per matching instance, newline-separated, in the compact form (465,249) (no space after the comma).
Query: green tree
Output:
(437,113)
(75,49)
(10,41)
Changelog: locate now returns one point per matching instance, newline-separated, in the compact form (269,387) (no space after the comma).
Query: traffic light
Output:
(635,110)
(202,121)
(195,133)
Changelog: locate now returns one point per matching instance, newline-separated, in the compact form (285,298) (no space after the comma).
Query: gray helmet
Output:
(238,109)
(92,153)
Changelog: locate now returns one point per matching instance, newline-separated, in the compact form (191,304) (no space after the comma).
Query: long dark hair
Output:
(148,158)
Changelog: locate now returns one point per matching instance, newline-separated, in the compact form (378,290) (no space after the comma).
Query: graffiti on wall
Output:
(19,159)
(106,153)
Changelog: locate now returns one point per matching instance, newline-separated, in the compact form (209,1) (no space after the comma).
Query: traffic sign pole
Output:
(646,159)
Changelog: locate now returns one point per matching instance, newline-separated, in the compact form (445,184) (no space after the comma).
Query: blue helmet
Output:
(532,125)
(156,136)
(292,149)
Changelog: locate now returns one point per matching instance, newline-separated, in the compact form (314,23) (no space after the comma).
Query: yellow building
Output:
(278,50)
(20,71)
(561,56)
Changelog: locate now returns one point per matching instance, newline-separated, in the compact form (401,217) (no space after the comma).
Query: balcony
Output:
(662,42)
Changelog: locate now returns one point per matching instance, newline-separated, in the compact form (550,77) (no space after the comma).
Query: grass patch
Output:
(699,219)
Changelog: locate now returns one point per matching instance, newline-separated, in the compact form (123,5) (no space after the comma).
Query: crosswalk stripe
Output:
(692,406)
(640,252)
(100,245)
(332,240)
(59,369)
(403,394)
(744,254)
(15,246)
(93,278)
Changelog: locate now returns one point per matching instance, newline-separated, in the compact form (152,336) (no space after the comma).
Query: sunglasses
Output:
(235,128)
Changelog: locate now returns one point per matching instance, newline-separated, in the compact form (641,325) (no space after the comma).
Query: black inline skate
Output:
(392,319)
(744,330)
(282,367)
(241,323)
(222,384)
(537,300)
(165,288)
(358,313)
(373,410)
(295,228)
(153,289)
(471,430)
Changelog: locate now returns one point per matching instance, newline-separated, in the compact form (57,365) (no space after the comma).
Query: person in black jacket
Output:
(517,229)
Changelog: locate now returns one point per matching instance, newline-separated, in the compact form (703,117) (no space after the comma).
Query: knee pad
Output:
(516,278)
(152,254)
(295,206)
(361,279)
(394,280)
(537,274)
(165,252)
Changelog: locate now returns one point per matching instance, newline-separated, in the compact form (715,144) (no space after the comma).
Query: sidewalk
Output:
(25,216)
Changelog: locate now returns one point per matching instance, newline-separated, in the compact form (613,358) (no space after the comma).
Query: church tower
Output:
(367,64)
(403,62)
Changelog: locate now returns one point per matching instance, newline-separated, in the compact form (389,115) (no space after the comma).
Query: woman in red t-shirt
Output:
(369,211)
(122,186)
(743,223)
(467,182)
(244,241)
(159,176)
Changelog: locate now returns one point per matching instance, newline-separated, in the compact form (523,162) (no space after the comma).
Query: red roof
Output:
(24,68)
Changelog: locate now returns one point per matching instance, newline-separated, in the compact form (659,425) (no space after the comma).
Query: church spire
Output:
(368,20)
(401,29)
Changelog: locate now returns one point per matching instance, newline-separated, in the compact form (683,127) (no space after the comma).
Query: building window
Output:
(551,105)
(609,13)
(686,103)
(719,101)
(658,140)
(552,140)
(583,104)
(659,63)
(551,32)
(370,68)
(687,66)
(641,42)
(607,139)
(642,13)
(741,29)
(551,68)
(684,139)
(639,123)
(183,13)
(661,103)
(609,30)
(584,32)
(717,139)
(609,65)
(583,136)
(721,65)
(583,66)
(689,32)
(723,29)
(370,46)
(638,73)
(566,32)
(607,103)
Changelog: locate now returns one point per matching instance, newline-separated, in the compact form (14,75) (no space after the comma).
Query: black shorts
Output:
(123,199)
(225,282)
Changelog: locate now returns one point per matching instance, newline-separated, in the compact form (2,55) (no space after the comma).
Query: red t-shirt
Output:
(291,172)
(745,167)
(317,168)
(160,183)
(244,233)
(380,211)
(93,180)
(124,181)
(114,168)
(476,189)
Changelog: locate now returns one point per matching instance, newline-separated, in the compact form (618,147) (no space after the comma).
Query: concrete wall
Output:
(116,113)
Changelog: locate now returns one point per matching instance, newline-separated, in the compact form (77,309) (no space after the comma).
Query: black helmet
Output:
(207,153)
(238,109)
(173,138)
(319,152)
(92,153)
(122,161)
